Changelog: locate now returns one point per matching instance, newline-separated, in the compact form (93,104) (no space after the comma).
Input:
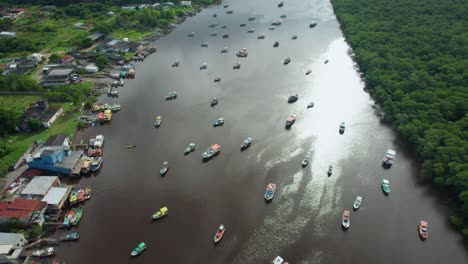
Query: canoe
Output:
(219,234)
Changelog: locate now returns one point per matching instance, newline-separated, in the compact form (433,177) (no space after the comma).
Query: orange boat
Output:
(219,234)
(423,225)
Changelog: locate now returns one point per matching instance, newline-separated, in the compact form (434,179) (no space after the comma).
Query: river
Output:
(303,222)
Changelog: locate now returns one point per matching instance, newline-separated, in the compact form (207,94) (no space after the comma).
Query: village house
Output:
(11,247)
(55,199)
(57,77)
(67,59)
(42,111)
(22,210)
(39,187)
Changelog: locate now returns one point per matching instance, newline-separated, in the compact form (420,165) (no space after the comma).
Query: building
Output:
(22,210)
(11,247)
(57,77)
(37,57)
(55,199)
(40,187)
(54,156)
(7,34)
(110,13)
(96,36)
(116,45)
(42,111)
(185,3)
(91,68)
(79,25)
(67,59)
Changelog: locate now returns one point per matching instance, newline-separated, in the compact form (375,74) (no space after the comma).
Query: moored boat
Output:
(218,122)
(137,251)
(422,227)
(190,148)
(345,219)
(226,36)
(279,260)
(305,161)
(73,199)
(81,195)
(45,252)
(313,24)
(191,34)
(225,50)
(160,214)
(68,218)
(283,16)
(217,79)
(164,168)
(229,11)
(77,217)
(261,36)
(276,23)
(70,237)
(219,234)
(214,34)
(236,66)
(96,164)
(294,37)
(386,186)
(357,203)
(243,25)
(252,30)
(157,122)
(252,18)
(270,191)
(175,64)
(290,121)
(242,53)
(280,4)
(246,143)
(88,193)
(204,44)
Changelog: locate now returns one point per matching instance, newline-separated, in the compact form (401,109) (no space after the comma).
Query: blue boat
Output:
(71,237)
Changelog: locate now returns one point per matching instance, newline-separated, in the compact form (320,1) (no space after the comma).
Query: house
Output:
(116,45)
(155,5)
(11,247)
(67,59)
(185,3)
(57,77)
(110,13)
(128,7)
(22,210)
(91,68)
(42,111)
(96,36)
(143,6)
(168,3)
(39,187)
(37,57)
(7,34)
(55,199)
(79,25)
(55,156)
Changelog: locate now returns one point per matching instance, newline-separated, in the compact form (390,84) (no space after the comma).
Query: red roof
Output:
(25,204)
(67,58)
(30,173)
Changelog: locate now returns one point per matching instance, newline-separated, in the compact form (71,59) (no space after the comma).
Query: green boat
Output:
(137,251)
(386,186)
(77,217)
(190,148)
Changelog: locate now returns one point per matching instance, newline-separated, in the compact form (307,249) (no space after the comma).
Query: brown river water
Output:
(303,222)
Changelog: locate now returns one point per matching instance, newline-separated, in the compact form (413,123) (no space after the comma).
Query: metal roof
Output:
(55,195)
(61,72)
(10,238)
(39,185)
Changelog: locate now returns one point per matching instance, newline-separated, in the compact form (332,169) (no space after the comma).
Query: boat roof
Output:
(215,146)
(164,209)
(142,244)
(391,152)
(385,181)
(346,212)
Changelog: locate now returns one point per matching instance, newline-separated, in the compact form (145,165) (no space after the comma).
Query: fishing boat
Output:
(276,23)
(131,146)
(86,166)
(81,195)
(310,105)
(290,121)
(214,15)
(191,34)
(229,11)
(224,26)
(236,66)
(272,28)
(213,25)
(171,96)
(283,16)
(293,98)
(242,53)
(203,66)
(330,170)
(342,127)
(312,24)
(68,218)
(294,37)
(226,36)
(308,72)
(211,151)
(77,217)
(88,193)
(157,122)
(261,36)
(214,101)
(305,161)
(246,143)
(218,122)
(73,199)
(214,34)
(276,44)
(252,18)
(243,25)
(45,252)
(137,251)
(287,61)
(164,168)
(280,4)
(252,30)
(357,203)
(422,227)
(345,220)
(190,148)
(175,64)
(96,164)
(386,186)
(389,158)
(217,79)
(70,237)
(225,50)
(270,191)
(219,234)
(160,214)
(204,44)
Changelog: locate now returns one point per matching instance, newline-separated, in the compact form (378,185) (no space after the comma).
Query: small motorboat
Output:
(236,66)
(164,168)
(203,66)
(279,260)
(252,30)
(305,161)
(389,158)
(225,36)
(131,146)
(158,121)
(276,44)
(81,195)
(191,34)
(77,217)
(137,251)
(175,64)
(330,170)
(342,127)
(219,234)
(280,4)
(70,237)
(229,11)
(226,6)
(225,50)
(308,72)
(160,214)
(45,252)
(204,44)
(214,34)
(246,143)
(217,79)
(261,36)
(242,53)
(272,28)
(88,193)
(211,151)
(214,15)
(214,101)
(357,203)
(213,25)
(310,105)
(312,24)
(294,37)
(293,98)
(224,26)
(287,61)
(325,62)
(283,16)
(386,186)
(190,148)
(290,121)
(252,18)
(171,96)
(96,163)
(270,191)
(243,25)
(218,122)
(422,227)
(276,23)
(73,199)
(345,220)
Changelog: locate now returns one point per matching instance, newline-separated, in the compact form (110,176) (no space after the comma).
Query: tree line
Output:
(412,55)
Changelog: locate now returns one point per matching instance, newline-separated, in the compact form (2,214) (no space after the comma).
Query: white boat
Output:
(214,34)
(357,203)
(305,161)
(389,157)
(246,143)
(203,66)
(276,23)
(45,252)
(279,260)
(345,219)
(225,50)
(211,151)
(252,30)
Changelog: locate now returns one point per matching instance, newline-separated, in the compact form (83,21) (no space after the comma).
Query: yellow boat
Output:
(160,214)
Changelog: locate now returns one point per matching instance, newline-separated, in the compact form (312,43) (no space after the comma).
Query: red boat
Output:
(100,116)
(81,194)
(219,234)
(93,152)
(423,229)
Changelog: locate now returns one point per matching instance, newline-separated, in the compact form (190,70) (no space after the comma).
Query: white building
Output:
(185,3)
(11,247)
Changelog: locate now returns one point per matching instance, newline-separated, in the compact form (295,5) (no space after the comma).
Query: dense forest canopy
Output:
(413,56)
(108,2)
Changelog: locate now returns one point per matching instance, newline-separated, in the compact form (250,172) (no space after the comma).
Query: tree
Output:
(101,61)
(54,57)
(86,42)
(8,120)
(34,124)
